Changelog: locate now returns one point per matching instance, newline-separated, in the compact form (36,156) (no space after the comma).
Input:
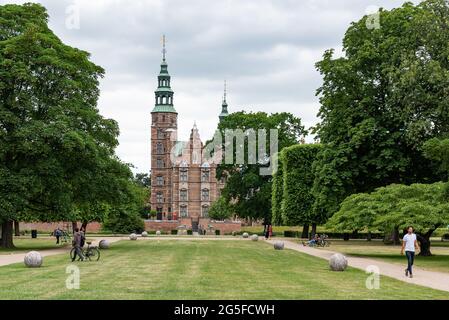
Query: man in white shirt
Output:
(410,244)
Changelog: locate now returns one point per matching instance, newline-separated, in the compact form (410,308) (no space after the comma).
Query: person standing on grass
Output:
(410,244)
(77,244)
(58,234)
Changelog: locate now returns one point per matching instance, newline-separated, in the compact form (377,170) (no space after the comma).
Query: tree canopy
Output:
(246,188)
(381,101)
(424,206)
(57,159)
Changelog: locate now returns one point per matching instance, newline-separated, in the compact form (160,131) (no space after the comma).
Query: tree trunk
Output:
(396,240)
(368,238)
(7,235)
(305,231)
(74,226)
(424,241)
(16,228)
(313,231)
(392,237)
(84,225)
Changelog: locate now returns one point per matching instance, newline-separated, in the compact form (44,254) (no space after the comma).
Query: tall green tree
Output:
(220,209)
(381,100)
(246,188)
(56,150)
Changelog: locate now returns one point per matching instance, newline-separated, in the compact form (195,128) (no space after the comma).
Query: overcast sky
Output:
(265,49)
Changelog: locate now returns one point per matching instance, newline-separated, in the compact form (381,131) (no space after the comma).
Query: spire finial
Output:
(164,51)
(224,96)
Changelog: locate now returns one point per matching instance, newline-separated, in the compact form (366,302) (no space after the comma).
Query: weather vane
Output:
(224,96)
(164,51)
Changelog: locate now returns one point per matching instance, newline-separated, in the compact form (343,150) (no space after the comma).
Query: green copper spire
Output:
(164,93)
(224,106)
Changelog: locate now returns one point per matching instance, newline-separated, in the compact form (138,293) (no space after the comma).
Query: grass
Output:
(390,253)
(151,269)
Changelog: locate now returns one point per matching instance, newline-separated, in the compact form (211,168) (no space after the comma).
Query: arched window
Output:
(205,175)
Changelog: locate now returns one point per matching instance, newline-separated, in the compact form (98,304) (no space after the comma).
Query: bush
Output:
(119,221)
(189,232)
(174,232)
(291,234)
(445,237)
(217,232)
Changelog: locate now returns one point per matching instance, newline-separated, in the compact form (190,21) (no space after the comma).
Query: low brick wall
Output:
(161,225)
(51,226)
(225,227)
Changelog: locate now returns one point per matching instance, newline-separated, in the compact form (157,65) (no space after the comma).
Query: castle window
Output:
(159,197)
(205,211)
(163,118)
(183,195)
(159,148)
(159,163)
(160,134)
(160,180)
(205,195)
(183,211)
(183,176)
(205,176)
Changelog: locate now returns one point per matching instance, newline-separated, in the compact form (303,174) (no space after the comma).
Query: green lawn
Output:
(25,243)
(150,269)
(377,250)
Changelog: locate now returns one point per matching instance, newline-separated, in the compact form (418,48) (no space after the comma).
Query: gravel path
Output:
(431,279)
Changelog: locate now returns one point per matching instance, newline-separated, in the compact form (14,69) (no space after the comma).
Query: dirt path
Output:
(431,279)
(6,259)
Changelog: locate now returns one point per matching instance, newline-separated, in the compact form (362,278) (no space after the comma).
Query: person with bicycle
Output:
(77,239)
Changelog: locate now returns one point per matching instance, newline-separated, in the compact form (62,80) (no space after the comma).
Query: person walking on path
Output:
(77,238)
(410,244)
(58,234)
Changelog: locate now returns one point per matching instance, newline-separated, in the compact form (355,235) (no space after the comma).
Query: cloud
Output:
(266,49)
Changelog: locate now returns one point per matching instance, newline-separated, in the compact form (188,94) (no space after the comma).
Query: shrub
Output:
(290,234)
(189,232)
(217,232)
(119,221)
(174,231)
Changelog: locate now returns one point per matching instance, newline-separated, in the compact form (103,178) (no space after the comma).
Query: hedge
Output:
(293,202)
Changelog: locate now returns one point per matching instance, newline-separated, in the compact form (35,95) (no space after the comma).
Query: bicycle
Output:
(91,252)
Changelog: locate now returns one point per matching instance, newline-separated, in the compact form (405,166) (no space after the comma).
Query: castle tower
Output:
(164,124)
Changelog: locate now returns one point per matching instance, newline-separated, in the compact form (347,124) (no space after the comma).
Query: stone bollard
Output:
(33,259)
(338,262)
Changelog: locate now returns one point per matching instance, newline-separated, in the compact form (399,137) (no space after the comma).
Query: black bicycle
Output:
(92,253)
